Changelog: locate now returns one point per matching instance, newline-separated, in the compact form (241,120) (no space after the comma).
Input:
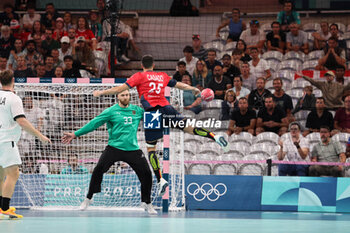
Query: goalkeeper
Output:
(122,122)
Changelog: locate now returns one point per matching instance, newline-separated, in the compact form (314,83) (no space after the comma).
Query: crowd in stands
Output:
(36,38)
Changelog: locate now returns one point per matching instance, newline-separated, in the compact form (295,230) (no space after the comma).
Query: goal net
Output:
(45,181)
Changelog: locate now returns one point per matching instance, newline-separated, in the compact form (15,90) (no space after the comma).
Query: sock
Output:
(5,203)
(203,133)
(0,202)
(153,159)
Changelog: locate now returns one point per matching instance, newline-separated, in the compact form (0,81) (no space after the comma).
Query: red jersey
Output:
(151,86)
(87,34)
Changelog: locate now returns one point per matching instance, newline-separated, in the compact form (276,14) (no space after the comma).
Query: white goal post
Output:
(56,105)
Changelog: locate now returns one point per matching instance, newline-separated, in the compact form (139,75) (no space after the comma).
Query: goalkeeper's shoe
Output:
(10,214)
(85,204)
(222,142)
(149,208)
(162,185)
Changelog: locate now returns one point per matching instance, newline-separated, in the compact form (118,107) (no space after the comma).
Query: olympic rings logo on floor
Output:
(207,191)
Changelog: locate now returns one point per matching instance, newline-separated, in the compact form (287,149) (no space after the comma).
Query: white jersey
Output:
(11,107)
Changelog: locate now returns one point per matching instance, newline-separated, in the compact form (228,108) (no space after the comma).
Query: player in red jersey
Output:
(151,86)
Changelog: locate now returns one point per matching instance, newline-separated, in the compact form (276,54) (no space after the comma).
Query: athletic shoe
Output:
(222,142)
(162,185)
(10,214)
(85,204)
(149,208)
(124,58)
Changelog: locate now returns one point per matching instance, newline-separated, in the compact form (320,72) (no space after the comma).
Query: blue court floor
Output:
(190,221)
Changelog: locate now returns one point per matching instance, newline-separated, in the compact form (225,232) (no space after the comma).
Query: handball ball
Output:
(207,94)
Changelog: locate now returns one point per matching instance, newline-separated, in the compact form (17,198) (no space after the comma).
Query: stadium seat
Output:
(301,115)
(265,149)
(218,46)
(295,93)
(315,55)
(254,168)
(267,137)
(273,64)
(310,65)
(311,27)
(225,169)
(224,34)
(290,65)
(269,85)
(215,103)
(292,55)
(285,75)
(342,138)
(300,84)
(209,149)
(348,28)
(209,113)
(199,169)
(313,137)
(285,136)
(224,125)
(317,93)
(273,55)
(310,40)
(266,28)
(244,137)
(229,47)
(238,149)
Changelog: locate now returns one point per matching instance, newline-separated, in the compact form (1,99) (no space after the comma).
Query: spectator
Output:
(181,71)
(7,41)
(238,89)
(183,8)
(318,117)
(49,17)
(59,72)
(334,56)
(198,50)
(276,39)
(37,29)
(236,59)
(339,74)
(22,70)
(211,62)
(321,37)
(84,31)
(235,24)
(242,46)
(16,30)
(297,39)
(327,150)
(242,119)
(189,59)
(33,58)
(253,37)
(69,71)
(38,44)
(31,167)
(331,91)
(83,53)
(56,58)
(40,70)
(74,167)
(95,25)
(3,63)
(8,15)
(201,75)
(220,83)
(68,23)
(287,16)
(101,7)
(257,96)
(59,31)
(49,68)
(342,115)
(191,102)
(296,148)
(230,71)
(306,102)
(249,81)
(66,48)
(30,17)
(259,67)
(271,118)
(72,36)
(228,105)
(17,51)
(49,44)
(282,99)
(335,33)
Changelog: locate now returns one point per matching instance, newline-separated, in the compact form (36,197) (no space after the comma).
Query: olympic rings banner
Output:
(223,192)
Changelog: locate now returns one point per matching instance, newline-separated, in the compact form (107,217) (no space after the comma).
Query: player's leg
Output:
(139,164)
(2,177)
(107,159)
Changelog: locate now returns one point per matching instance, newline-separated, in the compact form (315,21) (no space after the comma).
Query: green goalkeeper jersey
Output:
(122,124)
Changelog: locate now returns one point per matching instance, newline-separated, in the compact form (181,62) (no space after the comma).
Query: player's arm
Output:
(111,91)
(89,127)
(185,87)
(28,127)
